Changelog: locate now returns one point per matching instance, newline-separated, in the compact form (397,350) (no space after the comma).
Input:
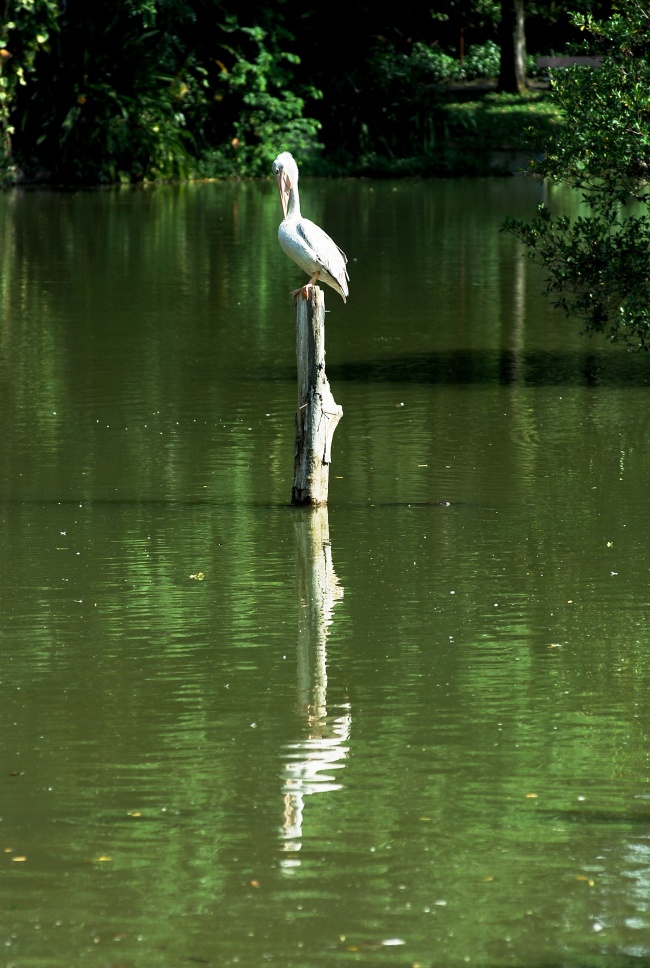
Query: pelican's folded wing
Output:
(326,251)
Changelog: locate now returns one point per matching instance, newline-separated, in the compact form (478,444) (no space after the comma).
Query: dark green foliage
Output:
(482,60)
(142,89)
(134,89)
(599,264)
(27,30)
(260,103)
(104,101)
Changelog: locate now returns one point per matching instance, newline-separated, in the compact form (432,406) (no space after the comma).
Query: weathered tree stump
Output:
(318,413)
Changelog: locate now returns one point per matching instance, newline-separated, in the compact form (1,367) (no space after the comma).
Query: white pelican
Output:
(304,241)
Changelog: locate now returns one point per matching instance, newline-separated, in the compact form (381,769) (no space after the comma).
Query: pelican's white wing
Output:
(325,251)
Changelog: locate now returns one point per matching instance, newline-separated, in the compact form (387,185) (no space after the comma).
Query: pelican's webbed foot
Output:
(304,290)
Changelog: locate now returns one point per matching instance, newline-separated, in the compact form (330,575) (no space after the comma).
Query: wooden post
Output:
(318,413)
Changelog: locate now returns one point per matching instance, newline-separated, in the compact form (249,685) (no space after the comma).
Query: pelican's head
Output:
(285,170)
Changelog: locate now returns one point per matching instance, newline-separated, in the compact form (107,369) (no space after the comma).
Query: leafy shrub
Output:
(431,64)
(597,263)
(25,31)
(266,113)
(482,60)
(140,89)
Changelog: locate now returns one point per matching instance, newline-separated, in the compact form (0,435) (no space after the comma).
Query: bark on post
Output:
(318,413)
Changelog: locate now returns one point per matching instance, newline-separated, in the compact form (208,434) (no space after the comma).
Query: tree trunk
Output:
(512,76)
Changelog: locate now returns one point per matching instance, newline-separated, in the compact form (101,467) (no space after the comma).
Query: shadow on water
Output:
(209,505)
(612,817)
(505,368)
(606,960)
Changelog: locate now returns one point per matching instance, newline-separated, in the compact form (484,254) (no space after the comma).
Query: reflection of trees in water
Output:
(324,745)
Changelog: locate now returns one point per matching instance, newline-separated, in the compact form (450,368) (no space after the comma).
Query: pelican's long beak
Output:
(284,187)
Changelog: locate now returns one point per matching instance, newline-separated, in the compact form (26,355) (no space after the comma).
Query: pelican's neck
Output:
(293,204)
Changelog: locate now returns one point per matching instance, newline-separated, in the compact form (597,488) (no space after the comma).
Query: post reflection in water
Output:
(323,745)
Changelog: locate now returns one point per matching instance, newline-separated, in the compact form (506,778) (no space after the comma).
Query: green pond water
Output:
(410,730)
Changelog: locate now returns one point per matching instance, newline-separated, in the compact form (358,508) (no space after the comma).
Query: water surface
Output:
(412,730)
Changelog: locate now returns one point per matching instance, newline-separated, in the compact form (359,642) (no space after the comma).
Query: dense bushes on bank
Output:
(142,89)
